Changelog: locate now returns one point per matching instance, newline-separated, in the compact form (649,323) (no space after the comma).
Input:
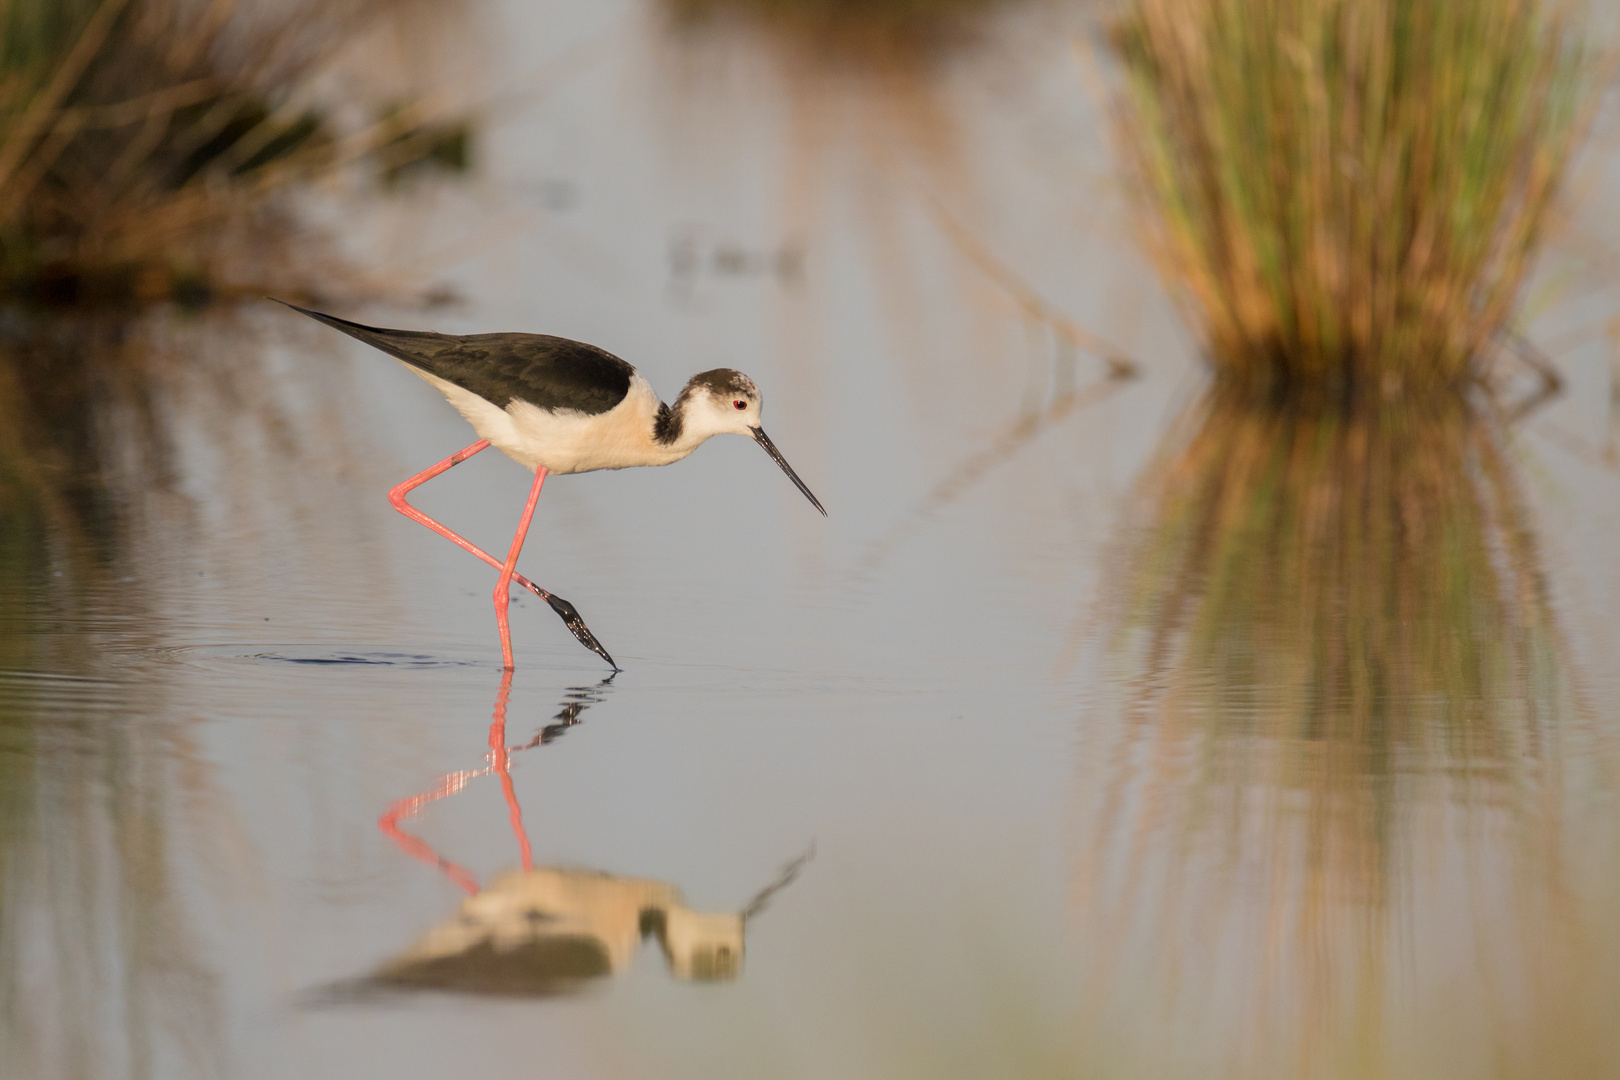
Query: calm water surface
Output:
(1099,731)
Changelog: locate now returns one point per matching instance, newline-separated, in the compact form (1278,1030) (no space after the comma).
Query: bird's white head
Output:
(723,402)
(718,402)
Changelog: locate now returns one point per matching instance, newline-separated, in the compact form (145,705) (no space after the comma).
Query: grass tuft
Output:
(1348,193)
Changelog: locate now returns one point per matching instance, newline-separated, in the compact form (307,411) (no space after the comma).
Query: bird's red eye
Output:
(740,404)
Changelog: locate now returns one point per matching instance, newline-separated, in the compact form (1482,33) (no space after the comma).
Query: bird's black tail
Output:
(412,346)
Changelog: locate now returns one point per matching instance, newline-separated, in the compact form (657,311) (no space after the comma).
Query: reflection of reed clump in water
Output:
(1342,725)
(89,764)
(79,420)
(91,413)
(89,836)
(102,793)
(1372,567)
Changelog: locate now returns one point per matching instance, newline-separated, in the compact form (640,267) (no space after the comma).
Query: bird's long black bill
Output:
(776,456)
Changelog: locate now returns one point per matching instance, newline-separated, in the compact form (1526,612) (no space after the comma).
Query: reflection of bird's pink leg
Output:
(396,498)
(417,848)
(500,759)
(503,586)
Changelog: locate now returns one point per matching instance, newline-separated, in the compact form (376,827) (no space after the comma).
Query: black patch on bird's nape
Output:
(667,424)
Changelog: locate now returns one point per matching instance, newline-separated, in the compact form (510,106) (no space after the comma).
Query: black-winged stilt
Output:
(560,406)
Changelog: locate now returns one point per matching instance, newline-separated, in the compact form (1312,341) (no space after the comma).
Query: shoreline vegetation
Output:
(1346,195)
(148,147)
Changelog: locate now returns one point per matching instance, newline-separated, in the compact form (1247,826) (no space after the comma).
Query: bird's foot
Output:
(571,619)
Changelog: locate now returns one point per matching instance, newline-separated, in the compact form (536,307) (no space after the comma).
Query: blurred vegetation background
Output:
(147,146)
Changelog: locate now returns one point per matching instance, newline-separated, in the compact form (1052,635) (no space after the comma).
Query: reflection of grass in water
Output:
(1349,191)
(61,395)
(99,971)
(101,795)
(95,412)
(85,433)
(144,143)
(1346,707)
(1360,563)
(98,968)
(145,146)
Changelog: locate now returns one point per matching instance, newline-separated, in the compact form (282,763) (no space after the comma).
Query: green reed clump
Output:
(1348,192)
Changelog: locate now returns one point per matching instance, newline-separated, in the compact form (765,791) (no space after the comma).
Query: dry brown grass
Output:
(146,146)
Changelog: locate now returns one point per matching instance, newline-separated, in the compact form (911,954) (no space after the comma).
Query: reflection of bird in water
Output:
(560,406)
(547,930)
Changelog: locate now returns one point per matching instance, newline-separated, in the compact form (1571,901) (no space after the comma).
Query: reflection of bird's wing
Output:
(548,372)
(584,902)
(464,959)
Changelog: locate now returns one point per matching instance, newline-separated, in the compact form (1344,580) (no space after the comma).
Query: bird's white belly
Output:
(566,441)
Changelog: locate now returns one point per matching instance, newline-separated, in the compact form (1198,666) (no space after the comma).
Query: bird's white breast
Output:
(566,441)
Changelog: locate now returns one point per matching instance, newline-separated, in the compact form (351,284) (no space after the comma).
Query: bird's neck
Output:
(674,430)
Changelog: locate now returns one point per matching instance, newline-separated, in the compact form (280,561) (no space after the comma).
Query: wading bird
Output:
(559,406)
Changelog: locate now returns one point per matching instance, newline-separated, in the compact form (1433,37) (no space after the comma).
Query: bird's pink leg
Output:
(503,585)
(396,499)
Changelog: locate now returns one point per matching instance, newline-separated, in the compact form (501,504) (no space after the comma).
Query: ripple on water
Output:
(216,656)
(43,690)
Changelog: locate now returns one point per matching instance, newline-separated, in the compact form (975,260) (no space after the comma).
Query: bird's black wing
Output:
(550,372)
